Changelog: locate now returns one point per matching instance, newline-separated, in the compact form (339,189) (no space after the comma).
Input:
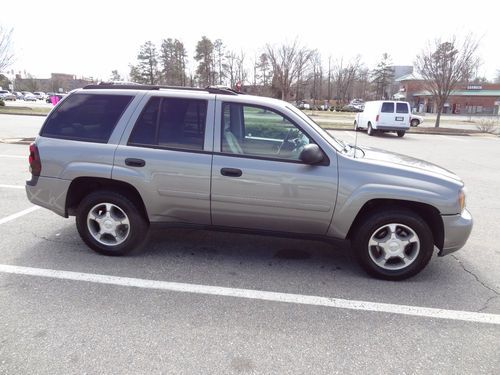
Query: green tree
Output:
(445,64)
(115,76)
(173,57)
(205,58)
(221,65)
(264,70)
(382,76)
(146,70)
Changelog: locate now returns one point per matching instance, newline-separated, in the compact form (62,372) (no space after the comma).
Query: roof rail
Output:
(136,86)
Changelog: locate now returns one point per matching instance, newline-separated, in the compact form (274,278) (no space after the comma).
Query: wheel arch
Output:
(82,186)
(427,212)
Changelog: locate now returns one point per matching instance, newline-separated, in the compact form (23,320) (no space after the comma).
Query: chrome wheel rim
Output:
(394,246)
(108,224)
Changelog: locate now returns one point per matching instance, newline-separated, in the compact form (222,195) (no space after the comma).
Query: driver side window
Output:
(260,131)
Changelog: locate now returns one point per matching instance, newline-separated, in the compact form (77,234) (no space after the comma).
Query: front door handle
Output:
(132,162)
(231,172)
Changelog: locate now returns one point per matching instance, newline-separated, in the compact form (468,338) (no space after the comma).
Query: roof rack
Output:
(136,86)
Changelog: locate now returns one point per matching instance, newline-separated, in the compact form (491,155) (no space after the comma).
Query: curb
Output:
(18,141)
(24,114)
(430,132)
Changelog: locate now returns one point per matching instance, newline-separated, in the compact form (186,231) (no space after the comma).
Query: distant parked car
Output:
(39,95)
(19,95)
(7,95)
(303,105)
(416,120)
(28,96)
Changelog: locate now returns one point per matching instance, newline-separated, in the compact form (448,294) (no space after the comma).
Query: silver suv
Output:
(125,158)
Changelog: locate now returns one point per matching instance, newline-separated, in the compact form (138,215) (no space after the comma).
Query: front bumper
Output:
(457,229)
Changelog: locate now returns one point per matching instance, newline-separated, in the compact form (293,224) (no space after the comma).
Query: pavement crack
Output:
(483,284)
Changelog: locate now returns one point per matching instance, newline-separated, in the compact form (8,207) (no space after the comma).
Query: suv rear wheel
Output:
(110,223)
(393,245)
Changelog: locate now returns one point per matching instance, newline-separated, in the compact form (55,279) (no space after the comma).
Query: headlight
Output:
(461,199)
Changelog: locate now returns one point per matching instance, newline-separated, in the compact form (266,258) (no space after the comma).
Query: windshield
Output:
(337,143)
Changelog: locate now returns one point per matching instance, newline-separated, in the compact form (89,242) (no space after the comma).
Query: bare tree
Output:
(344,75)
(6,55)
(289,61)
(444,64)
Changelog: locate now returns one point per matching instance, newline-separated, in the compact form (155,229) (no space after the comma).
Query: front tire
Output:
(415,123)
(356,126)
(393,245)
(110,224)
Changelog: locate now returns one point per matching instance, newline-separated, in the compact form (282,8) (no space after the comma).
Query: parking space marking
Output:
(425,312)
(12,186)
(14,156)
(19,214)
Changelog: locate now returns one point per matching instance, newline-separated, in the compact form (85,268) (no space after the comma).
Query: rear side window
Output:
(387,107)
(86,117)
(401,108)
(171,123)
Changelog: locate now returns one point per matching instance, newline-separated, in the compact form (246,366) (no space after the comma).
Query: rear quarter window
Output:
(86,117)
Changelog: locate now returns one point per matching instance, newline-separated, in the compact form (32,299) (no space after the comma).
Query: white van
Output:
(384,116)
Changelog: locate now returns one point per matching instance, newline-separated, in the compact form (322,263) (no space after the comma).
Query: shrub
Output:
(2,103)
(487,126)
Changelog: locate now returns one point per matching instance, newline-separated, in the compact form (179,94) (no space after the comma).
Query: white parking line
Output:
(14,156)
(425,312)
(12,186)
(19,214)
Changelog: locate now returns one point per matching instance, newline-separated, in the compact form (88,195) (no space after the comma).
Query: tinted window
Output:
(257,131)
(387,107)
(171,122)
(145,128)
(401,108)
(86,117)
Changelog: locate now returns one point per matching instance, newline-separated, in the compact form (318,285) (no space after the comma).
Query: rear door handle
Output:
(231,172)
(132,162)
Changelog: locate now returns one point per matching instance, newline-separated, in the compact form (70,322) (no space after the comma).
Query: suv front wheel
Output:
(110,223)
(393,245)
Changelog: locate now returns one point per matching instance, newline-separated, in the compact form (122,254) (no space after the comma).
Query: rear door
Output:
(166,153)
(258,181)
(387,115)
(403,114)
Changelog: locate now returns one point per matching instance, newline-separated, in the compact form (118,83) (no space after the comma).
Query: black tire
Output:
(370,131)
(401,133)
(356,126)
(415,122)
(137,229)
(377,219)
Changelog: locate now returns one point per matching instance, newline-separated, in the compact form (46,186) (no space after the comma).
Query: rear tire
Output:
(393,245)
(110,224)
(370,131)
(401,133)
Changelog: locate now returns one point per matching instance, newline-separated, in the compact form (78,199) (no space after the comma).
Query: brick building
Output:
(465,99)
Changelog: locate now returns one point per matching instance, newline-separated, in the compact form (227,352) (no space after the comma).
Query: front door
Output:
(258,181)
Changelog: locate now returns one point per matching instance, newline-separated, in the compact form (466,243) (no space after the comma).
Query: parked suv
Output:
(125,158)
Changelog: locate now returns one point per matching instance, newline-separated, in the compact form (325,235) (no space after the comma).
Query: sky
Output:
(91,38)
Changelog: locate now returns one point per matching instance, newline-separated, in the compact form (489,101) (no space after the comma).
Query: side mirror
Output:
(311,154)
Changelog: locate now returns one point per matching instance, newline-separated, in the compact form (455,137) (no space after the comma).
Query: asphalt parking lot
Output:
(197,302)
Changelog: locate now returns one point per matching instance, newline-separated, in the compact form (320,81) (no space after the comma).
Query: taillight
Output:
(376,119)
(34,160)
